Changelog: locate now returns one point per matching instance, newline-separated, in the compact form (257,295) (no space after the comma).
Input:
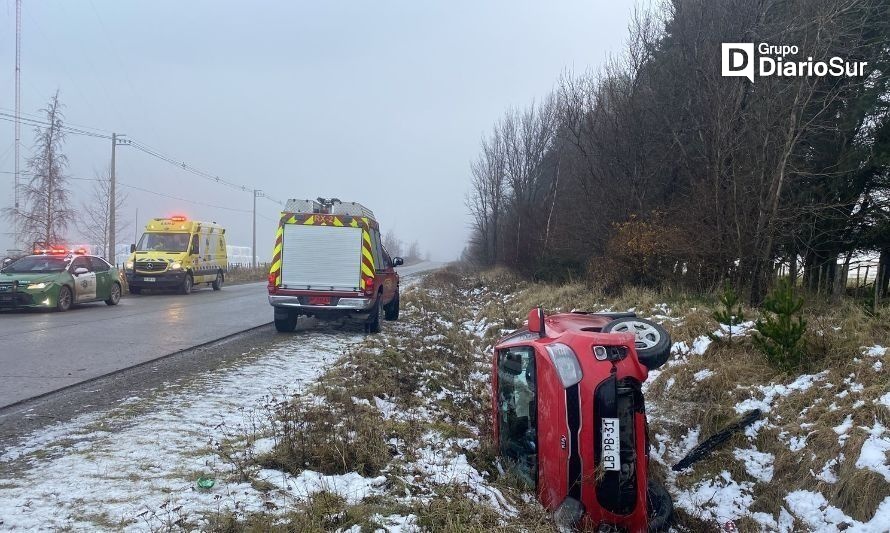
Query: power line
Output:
(67,129)
(182,165)
(156,193)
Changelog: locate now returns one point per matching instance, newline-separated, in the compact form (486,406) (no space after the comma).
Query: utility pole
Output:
(112,198)
(112,204)
(256,194)
(18,97)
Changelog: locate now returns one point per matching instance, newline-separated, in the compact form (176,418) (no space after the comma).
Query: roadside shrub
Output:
(330,438)
(731,314)
(779,334)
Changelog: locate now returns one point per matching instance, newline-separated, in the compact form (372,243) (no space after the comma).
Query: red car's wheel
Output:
(653,342)
(660,507)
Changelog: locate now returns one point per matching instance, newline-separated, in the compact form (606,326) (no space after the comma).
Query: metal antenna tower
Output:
(18,95)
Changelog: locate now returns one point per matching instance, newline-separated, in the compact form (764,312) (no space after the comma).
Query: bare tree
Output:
(94,217)
(46,212)
(392,243)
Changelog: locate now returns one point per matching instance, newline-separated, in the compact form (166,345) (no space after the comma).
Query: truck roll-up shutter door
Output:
(321,257)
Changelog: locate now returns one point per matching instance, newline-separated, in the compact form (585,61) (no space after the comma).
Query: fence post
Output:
(874,307)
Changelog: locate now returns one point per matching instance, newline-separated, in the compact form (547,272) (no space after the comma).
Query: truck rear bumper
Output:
(342,304)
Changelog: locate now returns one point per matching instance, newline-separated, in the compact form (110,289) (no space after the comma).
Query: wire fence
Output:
(865,279)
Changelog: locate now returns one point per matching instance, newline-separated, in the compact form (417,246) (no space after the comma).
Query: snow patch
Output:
(758,465)
(873,455)
(702,375)
(814,510)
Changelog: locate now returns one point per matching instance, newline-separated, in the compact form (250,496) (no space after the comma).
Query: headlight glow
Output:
(129,265)
(175,266)
(37,286)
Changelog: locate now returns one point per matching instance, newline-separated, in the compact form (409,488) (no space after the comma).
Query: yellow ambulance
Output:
(177,253)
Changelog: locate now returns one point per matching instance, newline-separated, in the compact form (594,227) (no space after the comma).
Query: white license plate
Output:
(148,279)
(610,444)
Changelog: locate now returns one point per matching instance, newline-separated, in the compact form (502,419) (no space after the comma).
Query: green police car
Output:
(58,279)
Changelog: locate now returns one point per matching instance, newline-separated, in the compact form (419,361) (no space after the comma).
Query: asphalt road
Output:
(41,352)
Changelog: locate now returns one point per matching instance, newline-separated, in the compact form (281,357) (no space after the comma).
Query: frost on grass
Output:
(135,466)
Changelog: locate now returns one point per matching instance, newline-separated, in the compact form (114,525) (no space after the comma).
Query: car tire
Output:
(65,299)
(287,324)
(372,325)
(653,342)
(660,507)
(218,282)
(115,295)
(392,309)
(187,283)
(135,290)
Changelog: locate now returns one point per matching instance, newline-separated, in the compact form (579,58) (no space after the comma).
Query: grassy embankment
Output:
(412,405)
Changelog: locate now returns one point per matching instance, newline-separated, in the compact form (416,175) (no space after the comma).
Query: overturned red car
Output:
(570,420)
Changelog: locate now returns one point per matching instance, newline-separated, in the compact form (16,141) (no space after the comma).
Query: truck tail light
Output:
(272,281)
(369,286)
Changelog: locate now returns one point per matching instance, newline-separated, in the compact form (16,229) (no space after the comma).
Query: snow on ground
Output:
(776,390)
(873,455)
(721,499)
(134,467)
(815,511)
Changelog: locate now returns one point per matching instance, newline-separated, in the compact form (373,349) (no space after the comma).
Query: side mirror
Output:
(536,321)
(132,248)
(80,270)
(398,261)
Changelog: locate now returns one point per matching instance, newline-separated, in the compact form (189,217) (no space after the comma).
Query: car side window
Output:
(518,411)
(80,262)
(98,265)
(387,260)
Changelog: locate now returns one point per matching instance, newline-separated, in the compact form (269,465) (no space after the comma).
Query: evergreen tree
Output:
(731,314)
(780,335)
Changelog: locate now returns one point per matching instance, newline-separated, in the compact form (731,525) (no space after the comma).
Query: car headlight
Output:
(37,286)
(566,363)
(128,265)
(175,266)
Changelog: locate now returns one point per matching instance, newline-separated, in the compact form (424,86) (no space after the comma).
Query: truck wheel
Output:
(661,507)
(135,290)
(218,282)
(373,323)
(392,309)
(115,295)
(64,302)
(287,324)
(653,342)
(186,286)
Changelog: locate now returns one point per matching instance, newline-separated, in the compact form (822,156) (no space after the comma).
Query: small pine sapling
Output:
(782,328)
(731,313)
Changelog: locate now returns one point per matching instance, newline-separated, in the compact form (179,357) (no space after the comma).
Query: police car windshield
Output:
(163,242)
(37,264)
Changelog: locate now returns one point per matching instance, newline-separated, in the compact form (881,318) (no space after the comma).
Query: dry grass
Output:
(425,367)
(236,275)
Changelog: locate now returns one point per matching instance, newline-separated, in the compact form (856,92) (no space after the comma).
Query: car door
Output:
(517,411)
(85,283)
(103,278)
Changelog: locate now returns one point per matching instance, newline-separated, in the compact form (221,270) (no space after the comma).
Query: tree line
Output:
(658,170)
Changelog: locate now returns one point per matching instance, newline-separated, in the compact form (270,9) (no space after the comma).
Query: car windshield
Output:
(37,264)
(163,242)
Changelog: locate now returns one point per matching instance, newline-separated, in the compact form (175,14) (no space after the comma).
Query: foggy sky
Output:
(383,103)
